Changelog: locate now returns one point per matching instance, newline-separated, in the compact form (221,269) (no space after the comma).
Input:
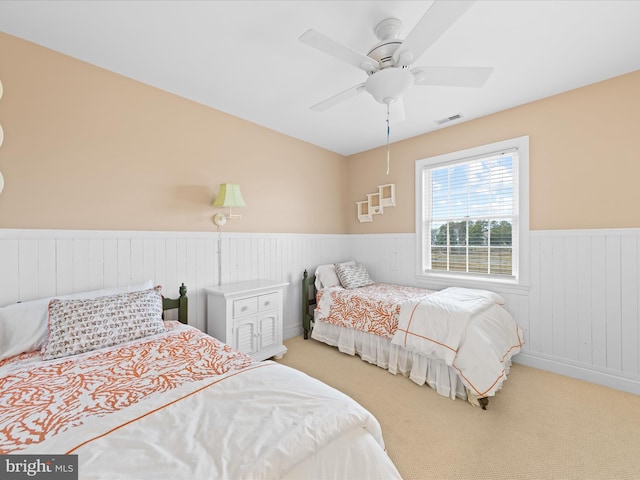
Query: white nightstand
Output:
(248,316)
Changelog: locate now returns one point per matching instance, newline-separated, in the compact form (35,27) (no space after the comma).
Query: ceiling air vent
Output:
(449,119)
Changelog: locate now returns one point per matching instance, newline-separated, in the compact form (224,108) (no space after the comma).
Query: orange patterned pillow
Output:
(77,326)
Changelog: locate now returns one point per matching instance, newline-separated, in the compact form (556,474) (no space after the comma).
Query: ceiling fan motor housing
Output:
(388,32)
(383,53)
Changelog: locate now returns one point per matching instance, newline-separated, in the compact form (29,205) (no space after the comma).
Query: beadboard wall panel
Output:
(580,316)
(44,263)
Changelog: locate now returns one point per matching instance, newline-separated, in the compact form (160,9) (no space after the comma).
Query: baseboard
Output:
(292,331)
(607,378)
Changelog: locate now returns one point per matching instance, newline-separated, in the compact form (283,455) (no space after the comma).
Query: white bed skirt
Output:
(394,358)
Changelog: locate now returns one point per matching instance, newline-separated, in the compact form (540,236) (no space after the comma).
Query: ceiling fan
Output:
(389,63)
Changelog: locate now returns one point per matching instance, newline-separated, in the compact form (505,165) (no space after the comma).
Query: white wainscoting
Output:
(580,316)
(44,263)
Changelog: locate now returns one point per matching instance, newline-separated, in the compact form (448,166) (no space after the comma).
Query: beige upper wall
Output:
(85,148)
(584,159)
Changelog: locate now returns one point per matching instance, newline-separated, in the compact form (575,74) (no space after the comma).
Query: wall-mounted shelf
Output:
(364,214)
(373,199)
(387,195)
(375,203)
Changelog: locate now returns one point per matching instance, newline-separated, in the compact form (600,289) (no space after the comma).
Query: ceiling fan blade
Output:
(452,76)
(323,43)
(336,99)
(437,20)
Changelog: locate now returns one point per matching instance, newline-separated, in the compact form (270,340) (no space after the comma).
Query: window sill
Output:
(436,281)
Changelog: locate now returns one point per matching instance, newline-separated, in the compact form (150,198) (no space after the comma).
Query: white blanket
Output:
(435,325)
(484,356)
(257,423)
(468,330)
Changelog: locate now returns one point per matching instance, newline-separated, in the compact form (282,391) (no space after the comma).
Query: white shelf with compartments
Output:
(375,203)
(248,316)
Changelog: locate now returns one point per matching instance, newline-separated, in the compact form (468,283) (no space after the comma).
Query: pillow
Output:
(78,326)
(23,326)
(353,276)
(326,275)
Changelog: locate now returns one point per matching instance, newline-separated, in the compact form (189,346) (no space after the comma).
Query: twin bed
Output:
(458,341)
(102,376)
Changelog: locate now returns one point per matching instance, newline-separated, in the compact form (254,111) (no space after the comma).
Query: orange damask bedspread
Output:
(372,309)
(42,398)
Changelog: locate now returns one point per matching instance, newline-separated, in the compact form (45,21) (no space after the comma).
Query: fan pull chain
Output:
(388,137)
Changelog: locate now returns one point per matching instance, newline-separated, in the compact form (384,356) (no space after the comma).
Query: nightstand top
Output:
(249,286)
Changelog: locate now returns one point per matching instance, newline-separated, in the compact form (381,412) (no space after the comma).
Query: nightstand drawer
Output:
(245,306)
(270,300)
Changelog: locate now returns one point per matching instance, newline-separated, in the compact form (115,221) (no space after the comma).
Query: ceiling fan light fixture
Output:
(389,85)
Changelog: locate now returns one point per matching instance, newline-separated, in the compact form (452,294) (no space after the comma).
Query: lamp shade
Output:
(229,196)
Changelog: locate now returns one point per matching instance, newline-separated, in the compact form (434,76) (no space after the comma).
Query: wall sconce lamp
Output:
(228,196)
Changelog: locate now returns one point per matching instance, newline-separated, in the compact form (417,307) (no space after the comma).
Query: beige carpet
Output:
(539,426)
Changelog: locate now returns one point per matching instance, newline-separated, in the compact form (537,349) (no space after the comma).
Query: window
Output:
(472,215)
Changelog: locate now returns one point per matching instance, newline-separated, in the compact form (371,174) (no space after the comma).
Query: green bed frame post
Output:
(183,312)
(181,303)
(308,299)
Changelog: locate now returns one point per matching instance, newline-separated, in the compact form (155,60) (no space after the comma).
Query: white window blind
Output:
(470,215)
(468,219)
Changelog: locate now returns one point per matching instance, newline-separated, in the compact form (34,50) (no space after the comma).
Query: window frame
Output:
(520,281)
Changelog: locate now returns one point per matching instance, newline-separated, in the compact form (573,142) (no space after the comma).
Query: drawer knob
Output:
(267,303)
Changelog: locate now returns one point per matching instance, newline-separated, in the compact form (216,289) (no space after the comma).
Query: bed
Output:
(103,378)
(458,341)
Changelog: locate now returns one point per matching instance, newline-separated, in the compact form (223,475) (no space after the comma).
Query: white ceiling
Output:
(244,57)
